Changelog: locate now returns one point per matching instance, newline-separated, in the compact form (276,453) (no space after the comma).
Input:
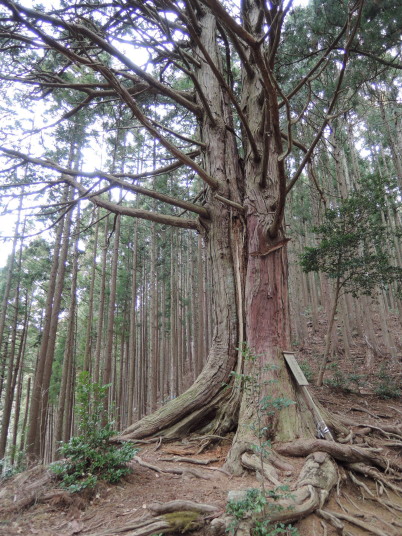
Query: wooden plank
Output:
(295,368)
(322,428)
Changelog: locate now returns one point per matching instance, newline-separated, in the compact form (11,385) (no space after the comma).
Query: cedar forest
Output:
(198,188)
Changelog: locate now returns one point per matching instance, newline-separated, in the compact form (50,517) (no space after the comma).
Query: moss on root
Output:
(184,521)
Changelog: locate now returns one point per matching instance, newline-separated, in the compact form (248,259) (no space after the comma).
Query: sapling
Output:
(353,250)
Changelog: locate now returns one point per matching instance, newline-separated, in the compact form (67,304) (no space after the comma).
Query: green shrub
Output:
(344,382)
(90,456)
(307,371)
(12,465)
(261,503)
(387,387)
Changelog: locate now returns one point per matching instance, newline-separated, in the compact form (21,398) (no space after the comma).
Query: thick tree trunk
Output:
(248,264)
(224,236)
(250,300)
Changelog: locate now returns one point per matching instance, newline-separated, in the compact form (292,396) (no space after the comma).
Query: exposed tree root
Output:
(396,409)
(345,453)
(204,406)
(339,516)
(280,463)
(181,506)
(347,439)
(175,471)
(27,488)
(179,459)
(316,480)
(373,516)
(392,444)
(319,476)
(385,429)
(371,472)
(263,470)
(233,461)
(175,517)
(182,459)
(154,525)
(374,415)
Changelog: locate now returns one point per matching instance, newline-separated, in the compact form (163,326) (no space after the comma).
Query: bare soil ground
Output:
(114,509)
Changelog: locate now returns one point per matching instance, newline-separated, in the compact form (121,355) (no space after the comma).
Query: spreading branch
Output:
(68,176)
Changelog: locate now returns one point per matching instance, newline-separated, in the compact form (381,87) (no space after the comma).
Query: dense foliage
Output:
(355,242)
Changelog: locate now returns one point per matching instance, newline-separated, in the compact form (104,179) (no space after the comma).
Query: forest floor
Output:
(354,389)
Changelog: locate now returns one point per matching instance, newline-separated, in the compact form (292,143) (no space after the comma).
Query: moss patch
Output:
(183,521)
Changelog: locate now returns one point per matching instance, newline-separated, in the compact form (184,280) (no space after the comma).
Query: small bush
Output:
(339,380)
(344,382)
(307,371)
(9,469)
(387,387)
(90,456)
(259,504)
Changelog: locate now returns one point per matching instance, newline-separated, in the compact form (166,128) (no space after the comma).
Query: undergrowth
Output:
(348,383)
(387,387)
(89,456)
(259,504)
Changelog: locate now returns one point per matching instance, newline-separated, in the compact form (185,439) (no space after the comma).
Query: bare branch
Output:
(228,21)
(180,136)
(388,63)
(145,214)
(240,51)
(104,45)
(127,98)
(233,204)
(296,143)
(159,196)
(68,174)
